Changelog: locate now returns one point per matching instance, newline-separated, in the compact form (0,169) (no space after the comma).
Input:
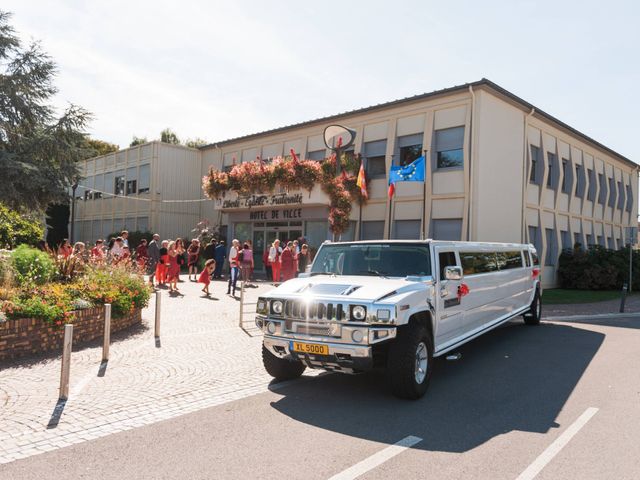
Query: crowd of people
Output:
(163,260)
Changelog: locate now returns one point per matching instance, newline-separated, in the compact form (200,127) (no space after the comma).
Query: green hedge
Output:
(597,268)
(16,229)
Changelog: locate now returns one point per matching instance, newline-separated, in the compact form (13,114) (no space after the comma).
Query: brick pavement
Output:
(203,360)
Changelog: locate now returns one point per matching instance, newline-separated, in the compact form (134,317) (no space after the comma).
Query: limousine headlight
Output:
(358,312)
(261,306)
(277,307)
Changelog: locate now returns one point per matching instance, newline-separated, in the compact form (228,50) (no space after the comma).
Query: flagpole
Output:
(424,197)
(390,210)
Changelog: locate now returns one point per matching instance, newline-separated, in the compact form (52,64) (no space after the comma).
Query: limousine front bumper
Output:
(342,358)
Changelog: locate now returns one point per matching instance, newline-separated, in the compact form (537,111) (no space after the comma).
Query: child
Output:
(205,276)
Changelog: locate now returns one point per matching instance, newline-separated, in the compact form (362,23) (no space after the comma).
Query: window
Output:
(589,239)
(406,229)
(591,195)
(602,198)
(534,238)
(580,181)
(348,154)
(408,149)
(317,155)
(372,230)
(449,148)
(577,239)
(550,258)
(316,232)
(143,224)
(527,258)
(132,181)
(474,263)
(144,178)
(552,175)
(118,183)
(535,174)
(612,193)
(108,183)
(446,259)
(375,158)
(98,185)
(610,243)
(629,199)
(620,196)
(88,193)
(349,235)
(447,229)
(601,240)
(567,181)
(565,239)
(509,260)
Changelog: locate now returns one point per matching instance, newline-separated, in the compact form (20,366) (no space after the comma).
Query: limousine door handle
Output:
(444,292)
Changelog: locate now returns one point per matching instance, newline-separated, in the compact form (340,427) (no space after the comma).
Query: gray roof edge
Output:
(445,91)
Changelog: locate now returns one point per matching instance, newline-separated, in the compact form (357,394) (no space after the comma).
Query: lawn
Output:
(554,296)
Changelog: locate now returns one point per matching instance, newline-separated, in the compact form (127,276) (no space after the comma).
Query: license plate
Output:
(312,348)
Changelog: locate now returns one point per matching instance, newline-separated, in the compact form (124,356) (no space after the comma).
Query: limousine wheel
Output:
(280,368)
(410,362)
(532,317)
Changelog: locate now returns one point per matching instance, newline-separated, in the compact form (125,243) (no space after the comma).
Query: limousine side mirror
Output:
(453,273)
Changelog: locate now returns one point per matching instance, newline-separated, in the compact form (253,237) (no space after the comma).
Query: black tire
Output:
(280,368)
(401,363)
(532,316)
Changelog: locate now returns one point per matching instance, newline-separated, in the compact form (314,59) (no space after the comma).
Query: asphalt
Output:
(486,416)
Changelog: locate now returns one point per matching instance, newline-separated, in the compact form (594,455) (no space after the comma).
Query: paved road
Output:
(517,393)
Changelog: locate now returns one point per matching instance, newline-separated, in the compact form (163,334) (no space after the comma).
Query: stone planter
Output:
(28,336)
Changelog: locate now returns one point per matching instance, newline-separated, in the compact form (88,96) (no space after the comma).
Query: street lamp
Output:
(74,187)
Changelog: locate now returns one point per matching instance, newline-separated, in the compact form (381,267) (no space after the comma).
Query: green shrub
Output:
(597,268)
(32,266)
(16,229)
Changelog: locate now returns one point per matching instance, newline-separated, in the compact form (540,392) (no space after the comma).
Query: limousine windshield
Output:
(383,259)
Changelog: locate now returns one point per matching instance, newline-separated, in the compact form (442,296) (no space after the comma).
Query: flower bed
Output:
(292,173)
(28,336)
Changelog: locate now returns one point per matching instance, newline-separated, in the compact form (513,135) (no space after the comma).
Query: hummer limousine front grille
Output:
(301,310)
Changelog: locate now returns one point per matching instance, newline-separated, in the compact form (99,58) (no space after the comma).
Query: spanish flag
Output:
(362,181)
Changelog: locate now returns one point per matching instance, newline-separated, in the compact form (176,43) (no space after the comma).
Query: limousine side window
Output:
(446,259)
(478,262)
(509,260)
(527,258)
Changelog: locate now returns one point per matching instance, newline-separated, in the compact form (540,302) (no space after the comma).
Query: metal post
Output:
(107,332)
(66,361)
(241,303)
(74,187)
(157,327)
(630,265)
(623,297)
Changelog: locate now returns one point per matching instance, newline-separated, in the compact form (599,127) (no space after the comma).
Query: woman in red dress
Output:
(174,268)
(288,262)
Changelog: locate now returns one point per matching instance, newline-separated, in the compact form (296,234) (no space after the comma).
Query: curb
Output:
(592,316)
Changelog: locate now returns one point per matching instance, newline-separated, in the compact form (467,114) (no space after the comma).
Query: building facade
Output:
(498,169)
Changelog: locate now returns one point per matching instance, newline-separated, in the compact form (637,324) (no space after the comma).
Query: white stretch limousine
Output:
(395,305)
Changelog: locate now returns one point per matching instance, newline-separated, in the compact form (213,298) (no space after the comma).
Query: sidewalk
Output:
(203,359)
(632,305)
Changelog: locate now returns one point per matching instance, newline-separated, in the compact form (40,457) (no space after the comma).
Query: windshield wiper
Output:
(313,274)
(375,272)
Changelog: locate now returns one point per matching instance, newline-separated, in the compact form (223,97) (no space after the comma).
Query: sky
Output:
(217,70)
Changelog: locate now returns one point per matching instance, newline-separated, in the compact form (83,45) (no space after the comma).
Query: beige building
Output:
(498,169)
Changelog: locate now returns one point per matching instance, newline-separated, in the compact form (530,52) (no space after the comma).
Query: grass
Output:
(555,296)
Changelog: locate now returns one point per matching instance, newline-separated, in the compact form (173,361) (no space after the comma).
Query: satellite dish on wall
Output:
(338,137)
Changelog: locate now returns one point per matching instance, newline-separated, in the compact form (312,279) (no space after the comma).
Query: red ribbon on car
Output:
(463,289)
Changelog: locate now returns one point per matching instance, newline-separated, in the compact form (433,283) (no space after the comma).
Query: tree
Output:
(16,229)
(100,147)
(38,151)
(138,141)
(195,142)
(168,136)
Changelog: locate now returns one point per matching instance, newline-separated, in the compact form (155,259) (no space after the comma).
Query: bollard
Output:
(623,297)
(157,329)
(241,303)
(66,361)
(107,332)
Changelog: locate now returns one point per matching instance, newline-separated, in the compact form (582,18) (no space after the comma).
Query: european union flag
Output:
(414,172)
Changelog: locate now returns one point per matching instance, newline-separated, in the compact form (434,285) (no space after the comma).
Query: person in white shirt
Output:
(274,259)
(233,266)
(125,238)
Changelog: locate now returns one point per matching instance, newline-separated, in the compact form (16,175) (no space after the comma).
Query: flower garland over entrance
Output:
(291,173)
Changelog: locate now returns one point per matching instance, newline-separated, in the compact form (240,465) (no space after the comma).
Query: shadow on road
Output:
(622,322)
(514,378)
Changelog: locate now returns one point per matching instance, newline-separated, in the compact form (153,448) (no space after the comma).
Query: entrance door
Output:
(258,249)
